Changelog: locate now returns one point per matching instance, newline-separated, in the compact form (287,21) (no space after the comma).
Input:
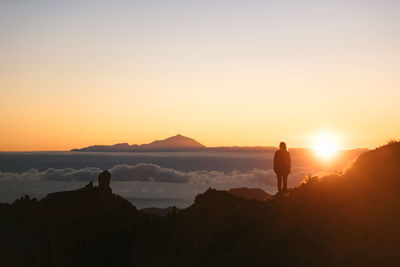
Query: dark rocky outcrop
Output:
(104,180)
(250,193)
(89,226)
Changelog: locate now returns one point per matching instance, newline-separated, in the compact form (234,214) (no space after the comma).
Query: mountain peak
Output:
(177,141)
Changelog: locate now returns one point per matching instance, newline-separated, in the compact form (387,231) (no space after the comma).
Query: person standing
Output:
(282,167)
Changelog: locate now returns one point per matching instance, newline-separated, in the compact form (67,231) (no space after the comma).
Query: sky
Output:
(246,73)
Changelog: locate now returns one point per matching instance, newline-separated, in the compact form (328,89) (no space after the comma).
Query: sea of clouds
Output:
(146,179)
(150,172)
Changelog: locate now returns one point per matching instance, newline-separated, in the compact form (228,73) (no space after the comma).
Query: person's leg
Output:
(279,178)
(285,182)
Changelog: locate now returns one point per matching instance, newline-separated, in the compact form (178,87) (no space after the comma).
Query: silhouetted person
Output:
(282,166)
(104,179)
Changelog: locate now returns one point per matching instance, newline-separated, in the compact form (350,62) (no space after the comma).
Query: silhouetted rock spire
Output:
(104,180)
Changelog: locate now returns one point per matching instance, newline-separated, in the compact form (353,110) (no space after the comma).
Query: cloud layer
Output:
(149,172)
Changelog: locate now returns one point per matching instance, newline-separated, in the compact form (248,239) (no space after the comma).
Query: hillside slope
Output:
(349,220)
(340,220)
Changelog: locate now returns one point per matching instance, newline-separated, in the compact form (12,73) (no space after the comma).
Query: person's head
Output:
(282,146)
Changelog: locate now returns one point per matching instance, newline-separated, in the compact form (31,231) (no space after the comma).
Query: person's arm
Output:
(289,163)
(275,161)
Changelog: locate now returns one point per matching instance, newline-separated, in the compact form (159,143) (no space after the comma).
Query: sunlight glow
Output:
(325,145)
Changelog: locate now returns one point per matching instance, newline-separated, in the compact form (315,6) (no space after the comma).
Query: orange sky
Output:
(224,74)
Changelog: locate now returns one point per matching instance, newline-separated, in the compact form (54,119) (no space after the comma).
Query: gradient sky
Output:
(78,73)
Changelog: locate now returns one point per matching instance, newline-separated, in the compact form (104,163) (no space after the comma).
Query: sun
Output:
(325,145)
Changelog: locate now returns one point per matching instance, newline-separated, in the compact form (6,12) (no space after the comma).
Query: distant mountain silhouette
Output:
(123,147)
(349,219)
(182,143)
(174,143)
(250,193)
